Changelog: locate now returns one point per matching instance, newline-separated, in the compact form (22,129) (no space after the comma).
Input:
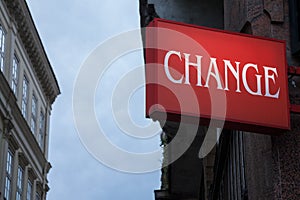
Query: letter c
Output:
(166,66)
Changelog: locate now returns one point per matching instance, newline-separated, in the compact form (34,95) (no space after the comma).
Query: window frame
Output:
(2,47)
(33,120)
(37,196)
(41,131)
(15,74)
(8,174)
(20,179)
(29,192)
(25,96)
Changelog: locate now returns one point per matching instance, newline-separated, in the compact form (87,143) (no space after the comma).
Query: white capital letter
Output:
(213,64)
(235,73)
(166,65)
(267,77)
(187,70)
(258,79)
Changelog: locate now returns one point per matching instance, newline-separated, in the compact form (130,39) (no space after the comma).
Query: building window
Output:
(14,74)
(19,183)
(8,175)
(29,190)
(41,130)
(37,196)
(33,114)
(2,42)
(25,97)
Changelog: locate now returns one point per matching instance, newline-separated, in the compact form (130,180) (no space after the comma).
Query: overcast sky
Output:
(70,30)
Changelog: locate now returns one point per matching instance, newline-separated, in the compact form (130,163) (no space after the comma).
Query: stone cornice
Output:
(28,33)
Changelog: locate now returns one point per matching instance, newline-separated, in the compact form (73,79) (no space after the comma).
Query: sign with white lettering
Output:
(212,74)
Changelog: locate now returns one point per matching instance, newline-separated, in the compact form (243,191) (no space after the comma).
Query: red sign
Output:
(203,73)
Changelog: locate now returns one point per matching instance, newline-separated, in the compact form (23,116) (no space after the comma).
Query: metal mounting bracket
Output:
(294,71)
(295,108)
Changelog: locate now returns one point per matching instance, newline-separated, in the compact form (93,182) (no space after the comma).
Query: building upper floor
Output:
(26,69)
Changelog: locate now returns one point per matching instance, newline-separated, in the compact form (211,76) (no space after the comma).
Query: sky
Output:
(70,31)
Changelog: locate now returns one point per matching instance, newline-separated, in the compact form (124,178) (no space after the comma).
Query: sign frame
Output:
(152,91)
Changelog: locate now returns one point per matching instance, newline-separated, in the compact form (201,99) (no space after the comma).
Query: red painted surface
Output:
(257,103)
(295,108)
(293,70)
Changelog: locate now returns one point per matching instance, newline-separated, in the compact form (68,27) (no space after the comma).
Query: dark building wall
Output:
(183,179)
(272,163)
(286,155)
(258,162)
(204,13)
(268,18)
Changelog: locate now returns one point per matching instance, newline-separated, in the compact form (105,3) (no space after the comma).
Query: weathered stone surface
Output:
(275,10)
(261,26)
(272,163)
(204,13)
(254,8)
(258,160)
(271,173)
(234,9)
(286,154)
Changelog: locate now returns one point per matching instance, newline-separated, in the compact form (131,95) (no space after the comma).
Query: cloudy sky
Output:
(70,31)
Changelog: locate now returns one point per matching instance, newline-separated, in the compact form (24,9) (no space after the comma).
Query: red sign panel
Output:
(206,74)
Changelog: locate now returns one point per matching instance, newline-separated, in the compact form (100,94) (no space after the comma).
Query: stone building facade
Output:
(28,88)
(243,165)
